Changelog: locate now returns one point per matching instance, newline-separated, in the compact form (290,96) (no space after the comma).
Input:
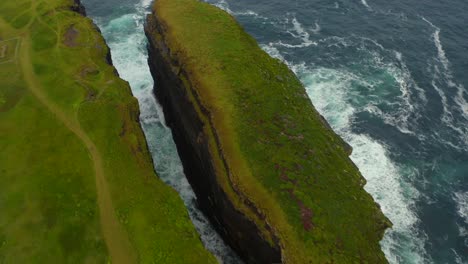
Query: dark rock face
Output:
(78,7)
(192,144)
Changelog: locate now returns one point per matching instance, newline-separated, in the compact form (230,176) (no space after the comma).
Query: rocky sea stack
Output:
(272,176)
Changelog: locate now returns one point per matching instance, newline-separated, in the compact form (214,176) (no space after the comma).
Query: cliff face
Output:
(268,171)
(78,7)
(188,123)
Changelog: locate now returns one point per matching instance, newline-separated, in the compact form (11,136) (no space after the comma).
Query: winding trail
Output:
(118,243)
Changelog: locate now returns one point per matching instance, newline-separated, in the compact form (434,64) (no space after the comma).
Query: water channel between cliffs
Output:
(122,27)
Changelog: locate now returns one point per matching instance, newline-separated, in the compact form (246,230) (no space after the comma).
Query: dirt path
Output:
(117,241)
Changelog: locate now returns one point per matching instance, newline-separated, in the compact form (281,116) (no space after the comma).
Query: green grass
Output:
(49,201)
(280,154)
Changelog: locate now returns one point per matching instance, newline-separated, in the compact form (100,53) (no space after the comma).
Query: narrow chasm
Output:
(122,28)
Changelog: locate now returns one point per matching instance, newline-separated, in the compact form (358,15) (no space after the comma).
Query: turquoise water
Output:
(389,76)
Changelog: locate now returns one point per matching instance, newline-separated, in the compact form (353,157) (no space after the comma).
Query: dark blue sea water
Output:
(391,77)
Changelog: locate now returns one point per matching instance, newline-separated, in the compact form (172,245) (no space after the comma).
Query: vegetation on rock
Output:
(78,185)
(274,156)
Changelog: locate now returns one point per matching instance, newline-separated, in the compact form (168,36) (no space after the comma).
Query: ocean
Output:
(391,77)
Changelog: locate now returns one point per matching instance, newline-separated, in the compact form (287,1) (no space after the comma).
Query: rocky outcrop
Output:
(192,144)
(268,171)
(78,7)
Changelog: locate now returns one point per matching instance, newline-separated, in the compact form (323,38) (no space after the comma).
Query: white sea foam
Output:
(459,99)
(317,28)
(297,31)
(329,89)
(446,75)
(250,13)
(446,115)
(407,76)
(458,259)
(301,33)
(128,45)
(440,50)
(364,2)
(405,111)
(461,199)
(145,4)
(273,51)
(383,176)
(302,45)
(223,5)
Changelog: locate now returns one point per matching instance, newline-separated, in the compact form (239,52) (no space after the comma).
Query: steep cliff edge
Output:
(271,175)
(78,184)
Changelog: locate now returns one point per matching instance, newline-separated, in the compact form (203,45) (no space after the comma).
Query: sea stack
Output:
(272,176)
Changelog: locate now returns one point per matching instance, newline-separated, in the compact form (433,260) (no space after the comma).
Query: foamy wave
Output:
(330,92)
(446,115)
(458,258)
(407,111)
(299,32)
(302,45)
(461,198)
(145,4)
(442,58)
(407,76)
(273,51)
(364,2)
(317,28)
(440,50)
(461,101)
(250,13)
(413,97)
(383,176)
(445,75)
(222,4)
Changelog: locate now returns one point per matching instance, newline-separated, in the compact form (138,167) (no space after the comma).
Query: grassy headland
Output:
(78,184)
(274,156)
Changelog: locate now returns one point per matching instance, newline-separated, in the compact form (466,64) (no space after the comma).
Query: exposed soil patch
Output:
(88,71)
(70,37)
(10,96)
(3,50)
(8,50)
(306,212)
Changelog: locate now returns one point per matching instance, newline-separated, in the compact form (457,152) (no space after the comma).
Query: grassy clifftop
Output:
(271,149)
(78,184)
